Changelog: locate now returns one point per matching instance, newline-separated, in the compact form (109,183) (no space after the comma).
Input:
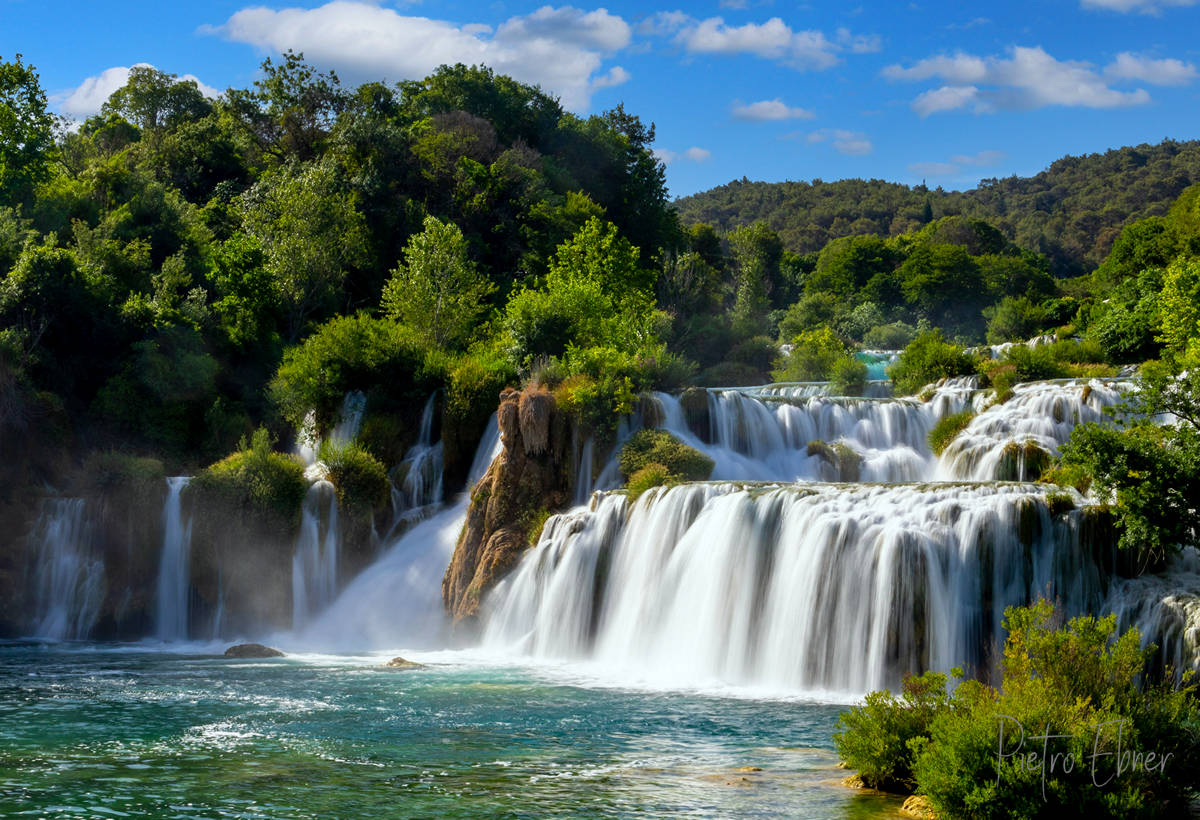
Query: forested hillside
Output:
(1071,212)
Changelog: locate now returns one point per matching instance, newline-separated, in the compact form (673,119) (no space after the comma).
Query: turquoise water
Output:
(93,731)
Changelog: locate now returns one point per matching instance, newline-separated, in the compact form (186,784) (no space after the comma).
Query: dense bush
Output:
(848,377)
(893,336)
(350,353)
(256,479)
(1082,683)
(928,359)
(813,357)
(652,475)
(646,447)
(360,478)
(1015,318)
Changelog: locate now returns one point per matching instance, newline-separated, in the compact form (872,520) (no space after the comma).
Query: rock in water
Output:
(252,650)
(402,663)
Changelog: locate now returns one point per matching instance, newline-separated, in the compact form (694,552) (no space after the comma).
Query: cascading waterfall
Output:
(68,578)
(822,588)
(1040,415)
(397,600)
(417,480)
(1165,609)
(315,562)
(171,601)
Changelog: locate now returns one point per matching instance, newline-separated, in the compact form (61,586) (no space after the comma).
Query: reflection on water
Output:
(89,732)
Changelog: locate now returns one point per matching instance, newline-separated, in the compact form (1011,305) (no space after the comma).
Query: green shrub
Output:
(928,359)
(814,355)
(849,377)
(109,469)
(351,353)
(947,429)
(652,475)
(360,478)
(1015,318)
(1081,684)
(892,336)
(1034,363)
(731,374)
(874,738)
(257,478)
(758,352)
(660,447)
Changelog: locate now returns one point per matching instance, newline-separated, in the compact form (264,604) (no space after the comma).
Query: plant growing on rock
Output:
(947,429)
(647,447)
(360,478)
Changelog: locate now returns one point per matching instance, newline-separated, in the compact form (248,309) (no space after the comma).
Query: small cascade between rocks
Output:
(397,600)
(417,481)
(172,590)
(68,578)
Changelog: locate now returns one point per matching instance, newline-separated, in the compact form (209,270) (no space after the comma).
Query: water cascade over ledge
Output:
(68,582)
(841,588)
(172,589)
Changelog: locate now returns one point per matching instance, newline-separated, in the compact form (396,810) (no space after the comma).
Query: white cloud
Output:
(933,169)
(770,111)
(693,154)
(85,100)
(772,40)
(1142,6)
(851,143)
(560,49)
(1028,78)
(983,158)
(613,77)
(957,164)
(1130,66)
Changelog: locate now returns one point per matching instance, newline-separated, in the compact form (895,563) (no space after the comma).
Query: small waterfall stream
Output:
(172,590)
(68,579)
(315,561)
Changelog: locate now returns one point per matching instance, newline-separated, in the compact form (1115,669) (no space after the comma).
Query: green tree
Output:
(757,252)
(310,233)
(1179,303)
(153,99)
(437,291)
(26,132)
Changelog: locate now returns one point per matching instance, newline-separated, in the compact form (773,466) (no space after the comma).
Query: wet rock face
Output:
(403,663)
(252,650)
(532,474)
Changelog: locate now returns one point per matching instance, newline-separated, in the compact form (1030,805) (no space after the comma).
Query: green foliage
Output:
(1179,304)
(893,336)
(1150,473)
(928,359)
(1081,682)
(349,353)
(848,377)
(360,478)
(650,476)
(947,429)
(874,738)
(757,253)
(256,479)
(1071,212)
(814,355)
(110,469)
(645,447)
(27,147)
(1015,319)
(437,292)
(153,99)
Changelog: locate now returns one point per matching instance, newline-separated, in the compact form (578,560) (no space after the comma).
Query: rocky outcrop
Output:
(403,663)
(252,650)
(531,476)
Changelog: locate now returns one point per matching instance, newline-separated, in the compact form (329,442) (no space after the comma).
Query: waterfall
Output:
(1040,415)
(68,578)
(315,561)
(417,481)
(171,603)
(1165,609)
(583,475)
(397,601)
(819,588)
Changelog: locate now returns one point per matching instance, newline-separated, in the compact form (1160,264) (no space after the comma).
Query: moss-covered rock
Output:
(1023,461)
(660,447)
(694,402)
(842,459)
(947,429)
(360,478)
(652,475)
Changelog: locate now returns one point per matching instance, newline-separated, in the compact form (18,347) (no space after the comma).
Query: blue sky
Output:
(943,92)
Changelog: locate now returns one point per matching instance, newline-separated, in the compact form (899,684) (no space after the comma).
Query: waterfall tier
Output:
(172,590)
(68,579)
(821,587)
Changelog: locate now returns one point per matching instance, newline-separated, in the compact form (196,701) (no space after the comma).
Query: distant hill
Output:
(1071,212)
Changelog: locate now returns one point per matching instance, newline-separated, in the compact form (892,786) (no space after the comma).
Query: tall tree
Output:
(153,99)
(26,132)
